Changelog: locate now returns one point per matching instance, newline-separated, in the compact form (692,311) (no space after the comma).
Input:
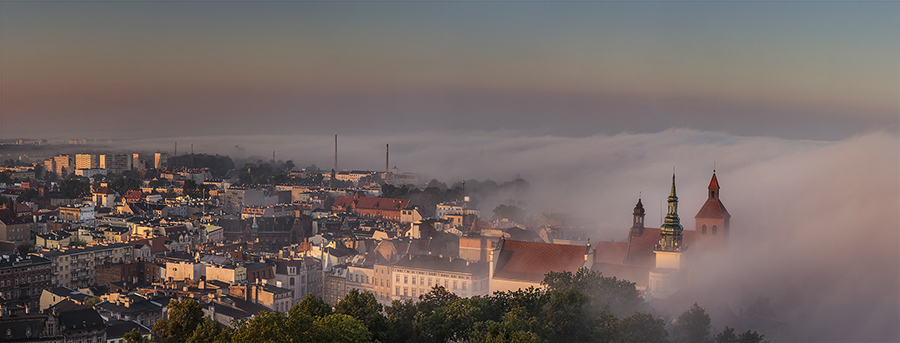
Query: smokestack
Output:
(192,155)
(387,158)
(335,152)
(176,156)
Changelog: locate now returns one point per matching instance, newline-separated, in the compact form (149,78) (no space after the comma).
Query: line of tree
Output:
(572,307)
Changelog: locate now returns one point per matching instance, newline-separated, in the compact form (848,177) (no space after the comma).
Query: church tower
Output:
(671,231)
(712,221)
(665,279)
(637,226)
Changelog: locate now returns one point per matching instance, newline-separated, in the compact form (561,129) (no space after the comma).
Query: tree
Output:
(565,316)
(134,336)
(263,327)
(728,336)
(438,296)
(209,331)
(692,325)
(620,296)
(338,328)
(25,248)
(365,308)
(312,306)
(184,317)
(642,327)
(511,212)
(27,195)
(90,302)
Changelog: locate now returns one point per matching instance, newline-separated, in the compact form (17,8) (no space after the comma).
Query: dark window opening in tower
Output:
(714,229)
(703,230)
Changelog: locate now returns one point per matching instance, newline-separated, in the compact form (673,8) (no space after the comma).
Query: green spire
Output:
(671,230)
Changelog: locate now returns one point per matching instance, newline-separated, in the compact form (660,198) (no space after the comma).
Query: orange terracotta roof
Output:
(529,261)
(713,208)
(610,252)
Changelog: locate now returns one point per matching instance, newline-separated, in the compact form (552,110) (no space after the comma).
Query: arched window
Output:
(715,229)
(703,230)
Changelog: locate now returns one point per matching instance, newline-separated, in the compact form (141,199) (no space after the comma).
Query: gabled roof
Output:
(714,209)
(118,328)
(610,252)
(529,261)
(640,248)
(81,319)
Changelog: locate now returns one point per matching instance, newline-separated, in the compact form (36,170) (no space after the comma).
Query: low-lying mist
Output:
(815,225)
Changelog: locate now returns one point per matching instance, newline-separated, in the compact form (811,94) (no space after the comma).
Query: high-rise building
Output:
(161,160)
(138,162)
(117,163)
(65,165)
(87,161)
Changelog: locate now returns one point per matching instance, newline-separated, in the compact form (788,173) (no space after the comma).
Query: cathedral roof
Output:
(714,209)
(529,261)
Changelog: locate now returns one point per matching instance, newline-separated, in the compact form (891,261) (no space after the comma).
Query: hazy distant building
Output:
(116,163)
(87,161)
(63,165)
(160,160)
(138,162)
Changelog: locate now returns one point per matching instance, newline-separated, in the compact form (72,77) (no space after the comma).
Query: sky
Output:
(135,69)
(796,104)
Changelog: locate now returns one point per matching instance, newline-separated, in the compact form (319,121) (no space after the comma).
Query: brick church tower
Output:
(712,222)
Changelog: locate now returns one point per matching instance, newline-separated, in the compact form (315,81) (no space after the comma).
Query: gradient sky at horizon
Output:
(800,70)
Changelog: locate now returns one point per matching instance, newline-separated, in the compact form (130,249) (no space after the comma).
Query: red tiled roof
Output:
(104,190)
(529,261)
(133,195)
(22,208)
(713,208)
(369,203)
(640,248)
(610,252)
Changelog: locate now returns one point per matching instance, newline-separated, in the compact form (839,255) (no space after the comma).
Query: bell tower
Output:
(712,221)
(665,279)
(637,226)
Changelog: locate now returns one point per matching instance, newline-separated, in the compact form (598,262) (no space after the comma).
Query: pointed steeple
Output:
(714,187)
(637,226)
(671,230)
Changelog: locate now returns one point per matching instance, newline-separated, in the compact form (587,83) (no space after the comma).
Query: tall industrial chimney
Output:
(387,158)
(335,153)
(176,156)
(192,155)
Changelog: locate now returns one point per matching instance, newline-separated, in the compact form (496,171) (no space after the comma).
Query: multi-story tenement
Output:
(335,285)
(74,267)
(24,277)
(83,214)
(416,275)
(382,283)
(303,276)
(15,229)
(362,277)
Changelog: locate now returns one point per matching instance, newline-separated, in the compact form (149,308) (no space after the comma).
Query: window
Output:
(445,284)
(421,280)
(398,278)
(714,229)
(397,291)
(464,286)
(414,292)
(405,279)
(454,284)
(405,291)
(292,281)
(703,229)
